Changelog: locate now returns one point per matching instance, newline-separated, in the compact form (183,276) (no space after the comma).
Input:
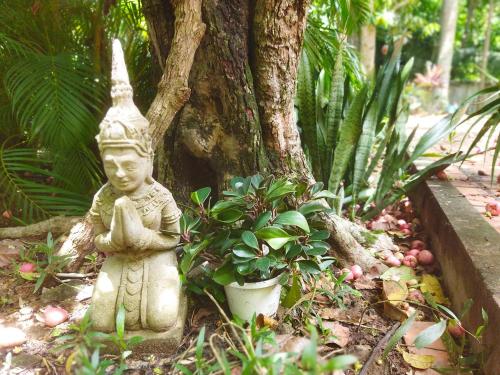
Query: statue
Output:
(136,223)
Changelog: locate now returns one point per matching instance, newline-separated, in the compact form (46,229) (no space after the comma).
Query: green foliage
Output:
(85,345)
(29,185)
(362,139)
(488,114)
(55,59)
(47,262)
(262,228)
(257,351)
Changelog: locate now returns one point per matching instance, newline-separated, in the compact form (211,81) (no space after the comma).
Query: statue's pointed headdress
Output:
(123,125)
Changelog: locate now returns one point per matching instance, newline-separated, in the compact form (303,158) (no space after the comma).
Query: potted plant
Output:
(262,234)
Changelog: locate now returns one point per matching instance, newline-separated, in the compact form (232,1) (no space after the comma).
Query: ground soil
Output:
(20,307)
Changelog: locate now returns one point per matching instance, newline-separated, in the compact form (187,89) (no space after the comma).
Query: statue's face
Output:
(125,168)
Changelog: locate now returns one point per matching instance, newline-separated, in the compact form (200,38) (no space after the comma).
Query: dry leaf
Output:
(430,284)
(364,283)
(200,316)
(339,334)
(295,344)
(266,321)
(9,249)
(420,361)
(395,291)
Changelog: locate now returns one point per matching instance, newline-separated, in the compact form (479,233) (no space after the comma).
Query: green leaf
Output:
(120,321)
(349,135)
(293,294)
(224,275)
(317,248)
(402,273)
(310,352)
(430,334)
(199,196)
(340,362)
(307,116)
(263,264)
(400,332)
(250,240)
(274,236)
(308,266)
(293,218)
(293,250)
(229,216)
(262,220)
(319,235)
(311,207)
(244,253)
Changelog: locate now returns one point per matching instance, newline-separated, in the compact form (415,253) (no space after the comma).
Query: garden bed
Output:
(468,249)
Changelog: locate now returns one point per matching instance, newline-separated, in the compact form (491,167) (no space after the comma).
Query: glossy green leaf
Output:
(398,334)
(250,240)
(294,218)
(274,236)
(199,196)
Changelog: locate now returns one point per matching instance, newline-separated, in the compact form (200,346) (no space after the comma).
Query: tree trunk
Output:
(449,14)
(486,45)
(368,46)
(239,118)
(237,107)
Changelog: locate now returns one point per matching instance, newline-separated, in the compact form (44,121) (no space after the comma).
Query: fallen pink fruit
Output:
(27,267)
(425,257)
(410,261)
(349,273)
(413,252)
(417,244)
(493,208)
(357,271)
(11,336)
(53,316)
(391,260)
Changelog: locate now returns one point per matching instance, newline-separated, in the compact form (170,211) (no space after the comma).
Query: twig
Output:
(376,351)
(73,275)
(224,315)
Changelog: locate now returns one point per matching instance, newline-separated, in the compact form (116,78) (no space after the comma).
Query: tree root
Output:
(56,225)
(347,240)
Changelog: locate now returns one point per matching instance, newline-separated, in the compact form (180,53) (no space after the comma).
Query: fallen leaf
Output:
(200,316)
(266,321)
(364,283)
(339,334)
(420,361)
(394,291)
(9,249)
(431,285)
(403,273)
(296,344)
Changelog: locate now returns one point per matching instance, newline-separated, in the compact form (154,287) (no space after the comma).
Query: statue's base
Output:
(161,342)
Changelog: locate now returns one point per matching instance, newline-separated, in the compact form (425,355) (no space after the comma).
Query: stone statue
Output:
(136,223)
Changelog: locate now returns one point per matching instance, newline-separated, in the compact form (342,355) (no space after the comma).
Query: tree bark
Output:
(238,118)
(449,15)
(486,45)
(368,46)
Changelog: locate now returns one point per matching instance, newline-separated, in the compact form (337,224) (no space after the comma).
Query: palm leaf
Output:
(30,198)
(54,98)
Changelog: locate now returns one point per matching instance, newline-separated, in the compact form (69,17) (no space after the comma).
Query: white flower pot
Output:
(254,298)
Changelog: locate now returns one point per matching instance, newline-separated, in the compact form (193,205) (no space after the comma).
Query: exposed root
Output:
(56,225)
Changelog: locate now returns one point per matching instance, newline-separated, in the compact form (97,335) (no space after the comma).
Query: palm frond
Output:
(23,181)
(54,97)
